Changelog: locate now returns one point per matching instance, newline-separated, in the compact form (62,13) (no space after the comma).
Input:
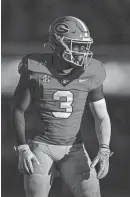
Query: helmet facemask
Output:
(79,58)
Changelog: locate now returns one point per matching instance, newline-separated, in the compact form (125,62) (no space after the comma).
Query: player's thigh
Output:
(39,183)
(90,187)
(75,171)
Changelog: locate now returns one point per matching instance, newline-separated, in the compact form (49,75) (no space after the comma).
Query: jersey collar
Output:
(66,79)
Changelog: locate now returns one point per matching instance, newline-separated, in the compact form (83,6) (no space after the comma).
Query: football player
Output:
(58,85)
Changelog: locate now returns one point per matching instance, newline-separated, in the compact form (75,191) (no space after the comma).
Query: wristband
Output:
(107,147)
(104,146)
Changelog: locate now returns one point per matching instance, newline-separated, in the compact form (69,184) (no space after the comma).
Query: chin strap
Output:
(49,45)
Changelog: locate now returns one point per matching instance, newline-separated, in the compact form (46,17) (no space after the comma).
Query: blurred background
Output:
(24,29)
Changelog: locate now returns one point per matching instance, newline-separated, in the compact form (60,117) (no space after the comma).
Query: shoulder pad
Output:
(36,63)
(40,62)
(96,73)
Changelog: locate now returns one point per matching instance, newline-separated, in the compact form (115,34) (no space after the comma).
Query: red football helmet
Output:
(69,37)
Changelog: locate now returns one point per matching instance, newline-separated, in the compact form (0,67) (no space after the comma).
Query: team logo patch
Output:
(61,28)
(65,81)
(46,78)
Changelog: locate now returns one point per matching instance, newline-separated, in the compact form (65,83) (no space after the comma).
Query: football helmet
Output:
(69,37)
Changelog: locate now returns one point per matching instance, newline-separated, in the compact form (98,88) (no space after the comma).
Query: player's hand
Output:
(103,159)
(26,157)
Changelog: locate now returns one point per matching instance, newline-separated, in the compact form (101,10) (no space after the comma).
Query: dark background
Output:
(24,30)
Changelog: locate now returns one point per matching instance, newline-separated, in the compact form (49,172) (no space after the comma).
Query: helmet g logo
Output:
(61,28)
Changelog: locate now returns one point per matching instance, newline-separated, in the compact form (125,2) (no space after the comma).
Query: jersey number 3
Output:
(65,105)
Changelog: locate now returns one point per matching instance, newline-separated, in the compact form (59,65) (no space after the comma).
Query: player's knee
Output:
(92,189)
(36,185)
(89,191)
(90,194)
(88,187)
(32,183)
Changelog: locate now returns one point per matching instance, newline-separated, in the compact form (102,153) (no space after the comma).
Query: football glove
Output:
(103,159)
(25,159)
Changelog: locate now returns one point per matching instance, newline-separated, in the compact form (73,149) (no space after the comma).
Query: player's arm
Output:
(22,100)
(98,107)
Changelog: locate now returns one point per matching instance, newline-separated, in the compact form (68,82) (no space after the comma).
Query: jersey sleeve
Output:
(24,77)
(23,65)
(96,94)
(98,76)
